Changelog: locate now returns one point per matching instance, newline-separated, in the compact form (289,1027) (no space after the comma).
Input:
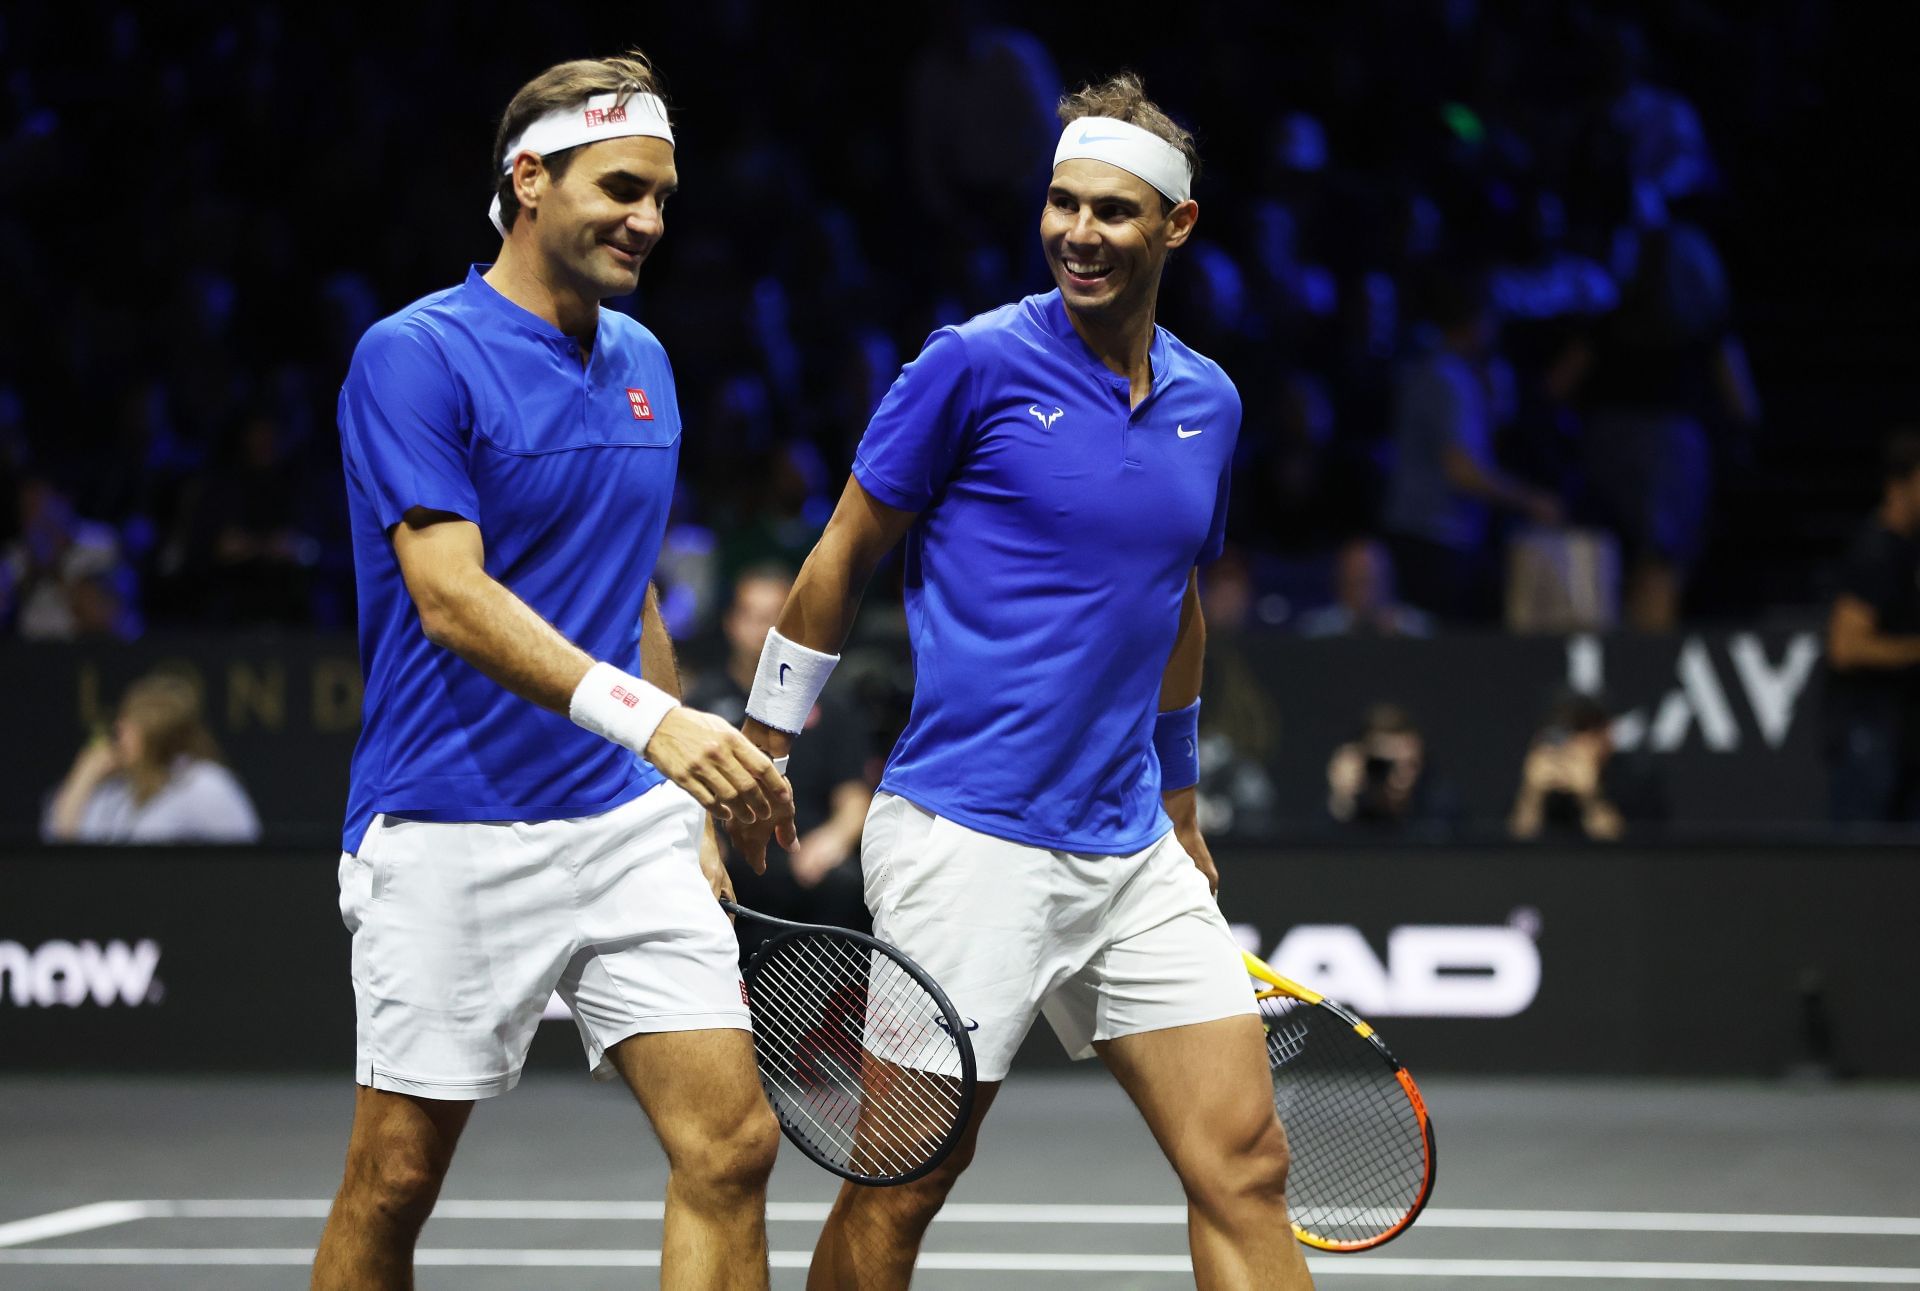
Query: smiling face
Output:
(1106,234)
(595,223)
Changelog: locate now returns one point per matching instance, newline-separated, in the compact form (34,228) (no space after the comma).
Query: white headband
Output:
(601,117)
(1136,151)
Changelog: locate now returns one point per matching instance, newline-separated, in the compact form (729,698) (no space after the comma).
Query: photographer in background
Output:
(157,779)
(1873,653)
(1573,784)
(1382,778)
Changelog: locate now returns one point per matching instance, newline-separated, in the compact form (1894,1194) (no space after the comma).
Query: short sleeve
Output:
(400,428)
(917,433)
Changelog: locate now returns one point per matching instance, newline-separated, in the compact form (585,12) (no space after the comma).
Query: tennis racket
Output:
(866,1062)
(1363,1160)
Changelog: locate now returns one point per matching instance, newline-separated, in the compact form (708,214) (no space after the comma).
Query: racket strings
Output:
(854,1054)
(1359,1148)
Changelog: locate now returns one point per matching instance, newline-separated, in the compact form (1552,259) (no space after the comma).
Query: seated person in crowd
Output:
(1382,778)
(815,883)
(1873,655)
(1364,604)
(156,779)
(1572,784)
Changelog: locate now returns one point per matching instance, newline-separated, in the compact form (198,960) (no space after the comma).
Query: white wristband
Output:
(619,706)
(787,684)
(780,763)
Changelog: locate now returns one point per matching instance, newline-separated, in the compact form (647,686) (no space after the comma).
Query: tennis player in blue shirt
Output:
(510,449)
(1058,468)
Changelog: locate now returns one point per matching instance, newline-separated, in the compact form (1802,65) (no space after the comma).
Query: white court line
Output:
(1642,1221)
(1023,1262)
(78,1219)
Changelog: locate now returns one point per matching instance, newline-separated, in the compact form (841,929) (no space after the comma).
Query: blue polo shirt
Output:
(1045,572)
(465,402)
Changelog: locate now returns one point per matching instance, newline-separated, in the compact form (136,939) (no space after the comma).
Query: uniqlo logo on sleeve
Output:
(743,994)
(637,400)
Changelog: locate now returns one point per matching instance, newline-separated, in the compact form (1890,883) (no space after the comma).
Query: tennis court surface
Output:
(220,1184)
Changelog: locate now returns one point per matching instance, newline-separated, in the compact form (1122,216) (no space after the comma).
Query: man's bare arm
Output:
(1180,687)
(658,666)
(825,597)
(466,610)
(1854,638)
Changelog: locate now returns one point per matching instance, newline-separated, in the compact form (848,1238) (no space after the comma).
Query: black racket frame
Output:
(788,930)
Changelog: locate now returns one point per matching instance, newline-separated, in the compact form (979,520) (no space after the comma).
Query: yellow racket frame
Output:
(1285,986)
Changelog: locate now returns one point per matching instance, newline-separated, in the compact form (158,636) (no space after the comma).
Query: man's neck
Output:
(1122,343)
(523,276)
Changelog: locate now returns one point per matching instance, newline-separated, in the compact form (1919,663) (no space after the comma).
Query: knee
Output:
(1250,1168)
(919,1201)
(737,1159)
(395,1184)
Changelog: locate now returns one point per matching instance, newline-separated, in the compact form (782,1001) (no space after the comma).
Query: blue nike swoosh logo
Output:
(1101,138)
(783,673)
(971,1025)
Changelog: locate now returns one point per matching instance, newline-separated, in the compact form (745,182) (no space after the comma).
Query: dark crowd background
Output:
(1644,263)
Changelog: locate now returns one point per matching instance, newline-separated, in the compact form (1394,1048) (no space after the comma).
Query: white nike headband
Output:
(601,117)
(1136,151)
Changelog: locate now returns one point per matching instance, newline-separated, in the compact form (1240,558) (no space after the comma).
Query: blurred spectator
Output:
(1444,482)
(1382,778)
(1364,604)
(1574,785)
(1873,653)
(1649,377)
(819,882)
(257,559)
(63,578)
(156,779)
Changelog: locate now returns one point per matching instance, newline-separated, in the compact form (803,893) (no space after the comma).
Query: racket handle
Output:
(1257,967)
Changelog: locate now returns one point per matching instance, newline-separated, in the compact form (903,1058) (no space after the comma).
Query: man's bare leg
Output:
(702,1093)
(397,1158)
(1206,1095)
(872,1235)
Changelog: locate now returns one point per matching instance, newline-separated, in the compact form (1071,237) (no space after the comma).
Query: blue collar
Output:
(1050,312)
(521,319)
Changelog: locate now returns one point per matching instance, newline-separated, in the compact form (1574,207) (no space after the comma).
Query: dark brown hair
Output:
(1124,98)
(560,86)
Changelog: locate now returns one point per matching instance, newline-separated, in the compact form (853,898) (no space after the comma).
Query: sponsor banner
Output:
(1572,960)
(1726,723)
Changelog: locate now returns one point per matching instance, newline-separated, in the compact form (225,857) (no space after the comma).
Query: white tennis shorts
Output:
(462,931)
(1105,946)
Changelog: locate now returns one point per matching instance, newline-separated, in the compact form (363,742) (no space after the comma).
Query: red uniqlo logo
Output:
(605,116)
(743,994)
(642,410)
(625,696)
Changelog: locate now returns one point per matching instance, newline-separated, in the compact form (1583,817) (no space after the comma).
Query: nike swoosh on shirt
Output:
(1184,433)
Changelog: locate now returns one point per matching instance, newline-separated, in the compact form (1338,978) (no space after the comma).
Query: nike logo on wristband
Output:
(783,673)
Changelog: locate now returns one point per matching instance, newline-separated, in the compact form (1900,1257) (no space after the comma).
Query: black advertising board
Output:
(1728,722)
(1504,959)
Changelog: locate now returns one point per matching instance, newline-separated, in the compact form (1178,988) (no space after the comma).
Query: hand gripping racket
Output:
(866,1062)
(1363,1160)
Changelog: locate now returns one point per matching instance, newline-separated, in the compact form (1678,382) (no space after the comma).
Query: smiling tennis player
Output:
(510,451)
(1058,468)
